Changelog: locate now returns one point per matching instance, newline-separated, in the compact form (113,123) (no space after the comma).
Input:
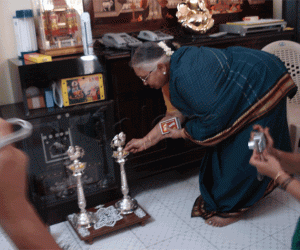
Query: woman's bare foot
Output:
(217,221)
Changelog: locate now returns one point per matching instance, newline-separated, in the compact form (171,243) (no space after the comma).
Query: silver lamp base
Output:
(86,220)
(126,205)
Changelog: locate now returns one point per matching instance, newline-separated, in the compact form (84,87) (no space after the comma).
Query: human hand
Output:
(265,164)
(176,133)
(269,140)
(13,166)
(137,145)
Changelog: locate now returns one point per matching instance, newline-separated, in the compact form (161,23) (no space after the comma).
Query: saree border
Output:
(259,109)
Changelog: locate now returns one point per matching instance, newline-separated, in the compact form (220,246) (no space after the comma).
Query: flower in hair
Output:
(167,49)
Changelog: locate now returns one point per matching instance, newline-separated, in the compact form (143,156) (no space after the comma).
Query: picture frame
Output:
(82,89)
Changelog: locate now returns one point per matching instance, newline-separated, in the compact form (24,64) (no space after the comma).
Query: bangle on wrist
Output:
(286,182)
(277,176)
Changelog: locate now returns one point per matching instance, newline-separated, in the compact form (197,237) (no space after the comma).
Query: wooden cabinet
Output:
(52,188)
(252,40)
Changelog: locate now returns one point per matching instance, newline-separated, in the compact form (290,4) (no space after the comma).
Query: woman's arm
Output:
(290,162)
(155,135)
(268,165)
(290,184)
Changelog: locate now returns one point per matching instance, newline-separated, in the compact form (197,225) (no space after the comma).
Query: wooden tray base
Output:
(128,220)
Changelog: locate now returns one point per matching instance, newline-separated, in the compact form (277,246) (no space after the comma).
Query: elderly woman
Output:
(218,94)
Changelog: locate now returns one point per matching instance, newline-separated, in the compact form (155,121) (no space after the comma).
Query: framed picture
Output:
(82,89)
(224,6)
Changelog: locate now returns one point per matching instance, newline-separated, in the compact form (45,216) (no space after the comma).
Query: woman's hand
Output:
(270,143)
(176,133)
(265,164)
(137,145)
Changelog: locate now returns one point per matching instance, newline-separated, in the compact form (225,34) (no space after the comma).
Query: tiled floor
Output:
(168,198)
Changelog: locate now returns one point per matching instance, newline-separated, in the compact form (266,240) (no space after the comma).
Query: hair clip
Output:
(167,50)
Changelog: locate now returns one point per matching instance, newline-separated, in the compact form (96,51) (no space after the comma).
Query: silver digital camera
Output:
(258,142)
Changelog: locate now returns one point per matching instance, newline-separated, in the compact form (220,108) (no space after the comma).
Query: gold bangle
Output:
(277,176)
(145,145)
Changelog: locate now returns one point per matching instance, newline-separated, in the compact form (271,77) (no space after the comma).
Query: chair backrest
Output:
(289,53)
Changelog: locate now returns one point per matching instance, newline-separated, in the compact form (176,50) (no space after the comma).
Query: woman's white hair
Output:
(148,55)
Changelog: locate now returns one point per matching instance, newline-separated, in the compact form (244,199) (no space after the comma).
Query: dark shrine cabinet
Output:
(52,188)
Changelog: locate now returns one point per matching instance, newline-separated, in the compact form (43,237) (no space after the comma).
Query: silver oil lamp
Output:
(83,219)
(127,204)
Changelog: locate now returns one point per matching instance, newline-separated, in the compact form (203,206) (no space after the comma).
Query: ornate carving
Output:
(194,16)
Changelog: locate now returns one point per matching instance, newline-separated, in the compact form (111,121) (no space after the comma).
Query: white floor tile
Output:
(121,239)
(168,198)
(65,238)
(187,240)
(272,216)
(268,243)
(285,236)
(145,197)
(232,237)
(181,201)
(6,243)
(163,225)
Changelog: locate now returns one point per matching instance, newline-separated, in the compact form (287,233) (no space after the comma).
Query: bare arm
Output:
(293,187)
(17,216)
(290,162)
(270,166)
(155,135)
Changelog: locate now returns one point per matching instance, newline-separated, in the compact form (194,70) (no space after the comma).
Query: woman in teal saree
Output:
(218,94)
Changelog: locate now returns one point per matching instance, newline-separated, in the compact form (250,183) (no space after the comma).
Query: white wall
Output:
(10,90)
(277,9)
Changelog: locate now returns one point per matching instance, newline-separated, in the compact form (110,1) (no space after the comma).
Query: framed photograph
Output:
(82,89)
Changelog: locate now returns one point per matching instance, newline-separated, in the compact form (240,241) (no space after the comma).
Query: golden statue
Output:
(194,15)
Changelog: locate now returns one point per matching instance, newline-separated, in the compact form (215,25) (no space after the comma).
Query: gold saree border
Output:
(259,109)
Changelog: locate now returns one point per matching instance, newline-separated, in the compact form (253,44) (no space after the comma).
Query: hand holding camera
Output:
(258,143)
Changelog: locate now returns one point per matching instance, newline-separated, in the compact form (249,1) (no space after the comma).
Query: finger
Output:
(263,157)
(266,154)
(251,135)
(129,147)
(5,128)
(258,127)
(268,136)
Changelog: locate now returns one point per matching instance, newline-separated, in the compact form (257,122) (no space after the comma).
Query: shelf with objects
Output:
(88,124)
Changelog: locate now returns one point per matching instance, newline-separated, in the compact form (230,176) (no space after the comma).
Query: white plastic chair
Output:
(289,53)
